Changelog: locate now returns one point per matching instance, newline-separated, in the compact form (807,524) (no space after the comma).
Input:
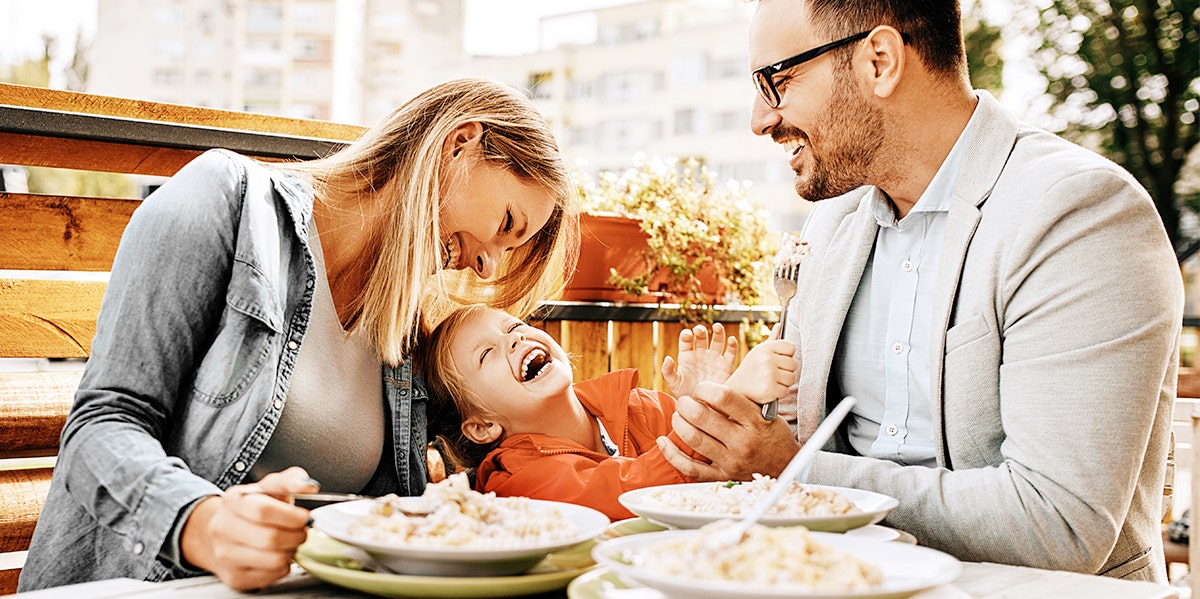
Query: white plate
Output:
(907,569)
(874,506)
(424,560)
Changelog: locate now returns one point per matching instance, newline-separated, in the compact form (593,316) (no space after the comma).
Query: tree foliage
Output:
(1124,76)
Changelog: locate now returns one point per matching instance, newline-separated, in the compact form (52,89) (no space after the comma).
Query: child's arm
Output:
(701,358)
(767,373)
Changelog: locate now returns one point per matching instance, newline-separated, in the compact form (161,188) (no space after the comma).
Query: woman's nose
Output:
(517,337)
(485,265)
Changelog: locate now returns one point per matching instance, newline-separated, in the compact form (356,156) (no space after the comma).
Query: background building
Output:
(664,77)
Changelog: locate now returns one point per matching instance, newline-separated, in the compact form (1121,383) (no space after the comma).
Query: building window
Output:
(684,124)
(168,77)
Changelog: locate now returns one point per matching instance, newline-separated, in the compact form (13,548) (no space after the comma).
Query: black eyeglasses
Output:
(764,78)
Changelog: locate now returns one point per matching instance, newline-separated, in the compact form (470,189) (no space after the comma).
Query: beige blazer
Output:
(1059,302)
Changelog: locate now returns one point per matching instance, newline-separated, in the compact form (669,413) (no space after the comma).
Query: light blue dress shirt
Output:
(884,350)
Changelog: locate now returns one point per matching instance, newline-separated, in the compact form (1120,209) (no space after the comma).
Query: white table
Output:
(978,581)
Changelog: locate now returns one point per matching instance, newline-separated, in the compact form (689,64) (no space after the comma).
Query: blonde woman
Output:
(255,332)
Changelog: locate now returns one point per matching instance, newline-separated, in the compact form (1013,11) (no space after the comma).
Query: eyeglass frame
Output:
(768,72)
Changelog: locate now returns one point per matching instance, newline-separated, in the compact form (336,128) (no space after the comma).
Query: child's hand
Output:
(700,359)
(768,371)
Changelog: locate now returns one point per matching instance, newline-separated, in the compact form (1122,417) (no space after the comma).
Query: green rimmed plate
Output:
(322,557)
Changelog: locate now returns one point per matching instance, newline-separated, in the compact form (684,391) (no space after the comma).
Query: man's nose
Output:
(763,118)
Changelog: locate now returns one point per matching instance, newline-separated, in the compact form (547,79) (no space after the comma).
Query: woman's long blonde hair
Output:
(402,157)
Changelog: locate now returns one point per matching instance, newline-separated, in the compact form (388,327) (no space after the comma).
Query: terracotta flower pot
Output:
(610,241)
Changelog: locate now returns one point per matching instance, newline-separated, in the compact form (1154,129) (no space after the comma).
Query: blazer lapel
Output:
(828,301)
(986,152)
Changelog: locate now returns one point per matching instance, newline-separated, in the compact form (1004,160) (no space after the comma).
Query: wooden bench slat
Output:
(57,152)
(44,232)
(22,493)
(50,99)
(48,318)
(33,410)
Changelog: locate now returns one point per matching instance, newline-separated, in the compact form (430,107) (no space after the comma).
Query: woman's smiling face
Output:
(486,209)
(517,371)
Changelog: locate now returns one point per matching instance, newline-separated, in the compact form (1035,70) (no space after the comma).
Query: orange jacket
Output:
(554,468)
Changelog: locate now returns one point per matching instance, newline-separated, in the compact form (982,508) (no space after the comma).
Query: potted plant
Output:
(689,240)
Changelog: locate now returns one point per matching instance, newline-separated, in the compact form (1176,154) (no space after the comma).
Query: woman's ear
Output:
(481,430)
(464,139)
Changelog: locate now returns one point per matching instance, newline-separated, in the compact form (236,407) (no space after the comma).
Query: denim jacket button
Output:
(138,548)
(293,345)
(278,404)
(239,465)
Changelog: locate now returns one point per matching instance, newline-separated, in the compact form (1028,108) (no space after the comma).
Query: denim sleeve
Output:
(162,304)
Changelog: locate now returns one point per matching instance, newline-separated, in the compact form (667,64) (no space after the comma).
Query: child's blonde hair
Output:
(451,401)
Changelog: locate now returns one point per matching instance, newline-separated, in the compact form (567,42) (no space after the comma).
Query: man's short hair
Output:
(932,27)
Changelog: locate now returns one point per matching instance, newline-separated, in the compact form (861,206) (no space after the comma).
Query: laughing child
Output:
(529,431)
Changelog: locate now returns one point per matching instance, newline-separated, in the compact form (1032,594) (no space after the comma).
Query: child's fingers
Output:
(687,340)
(731,348)
(668,368)
(775,330)
(702,340)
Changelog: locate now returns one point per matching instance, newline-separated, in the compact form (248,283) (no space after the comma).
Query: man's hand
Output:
(247,536)
(767,373)
(701,358)
(729,429)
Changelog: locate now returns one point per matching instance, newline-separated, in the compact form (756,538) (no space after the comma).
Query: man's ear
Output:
(481,430)
(464,139)
(887,59)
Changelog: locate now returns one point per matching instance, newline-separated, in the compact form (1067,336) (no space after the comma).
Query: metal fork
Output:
(785,287)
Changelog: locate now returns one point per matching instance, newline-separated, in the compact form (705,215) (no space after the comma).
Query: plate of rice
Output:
(775,562)
(452,530)
(817,507)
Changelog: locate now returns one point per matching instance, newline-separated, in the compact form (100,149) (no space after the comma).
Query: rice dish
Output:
(791,251)
(772,557)
(733,498)
(458,516)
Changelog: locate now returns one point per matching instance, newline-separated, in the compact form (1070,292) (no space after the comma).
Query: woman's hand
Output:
(700,359)
(247,536)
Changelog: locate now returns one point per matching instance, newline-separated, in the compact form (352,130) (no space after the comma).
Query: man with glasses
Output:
(1004,305)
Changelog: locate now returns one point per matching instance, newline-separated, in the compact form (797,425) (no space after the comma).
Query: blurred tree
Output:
(1124,76)
(983,45)
(36,72)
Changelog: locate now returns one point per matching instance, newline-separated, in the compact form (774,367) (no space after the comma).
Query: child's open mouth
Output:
(534,364)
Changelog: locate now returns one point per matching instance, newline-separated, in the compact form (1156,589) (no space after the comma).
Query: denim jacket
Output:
(204,313)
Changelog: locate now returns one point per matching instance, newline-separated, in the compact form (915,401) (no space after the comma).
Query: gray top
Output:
(332,421)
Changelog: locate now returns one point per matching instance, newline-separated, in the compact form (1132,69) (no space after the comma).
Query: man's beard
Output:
(847,164)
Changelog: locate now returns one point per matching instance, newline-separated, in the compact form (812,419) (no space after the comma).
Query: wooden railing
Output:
(602,337)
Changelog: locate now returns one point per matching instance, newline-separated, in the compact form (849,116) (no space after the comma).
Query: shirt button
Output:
(891,430)
(138,548)
(239,465)
(897,347)
(292,345)
(278,404)
(907,265)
